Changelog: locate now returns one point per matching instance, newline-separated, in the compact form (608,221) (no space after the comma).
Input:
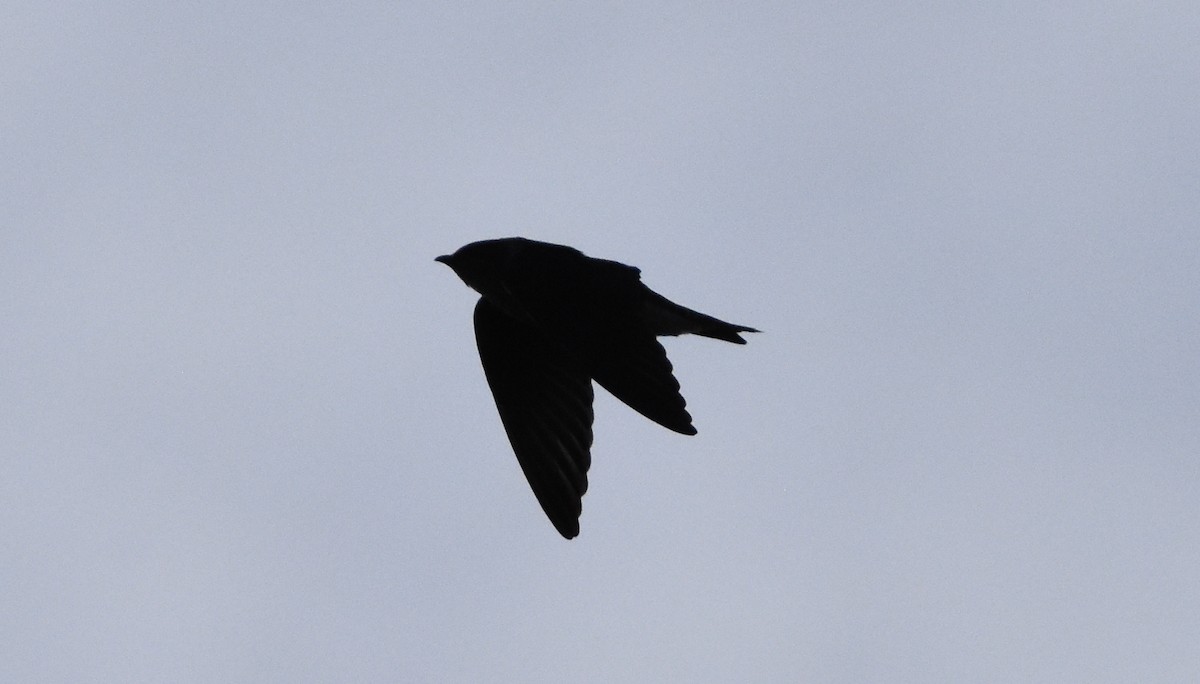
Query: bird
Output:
(549,321)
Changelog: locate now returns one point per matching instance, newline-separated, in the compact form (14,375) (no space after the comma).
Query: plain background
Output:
(245,437)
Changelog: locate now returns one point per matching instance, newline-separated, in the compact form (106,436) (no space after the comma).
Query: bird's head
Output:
(482,265)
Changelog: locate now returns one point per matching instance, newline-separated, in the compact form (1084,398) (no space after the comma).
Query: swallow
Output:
(549,321)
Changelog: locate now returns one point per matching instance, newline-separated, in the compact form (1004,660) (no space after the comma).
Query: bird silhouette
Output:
(549,321)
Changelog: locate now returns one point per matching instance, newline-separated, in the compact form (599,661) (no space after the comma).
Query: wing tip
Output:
(569,529)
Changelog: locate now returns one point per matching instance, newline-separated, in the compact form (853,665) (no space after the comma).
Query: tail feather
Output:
(665,317)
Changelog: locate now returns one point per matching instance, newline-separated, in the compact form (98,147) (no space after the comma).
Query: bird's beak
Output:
(445,259)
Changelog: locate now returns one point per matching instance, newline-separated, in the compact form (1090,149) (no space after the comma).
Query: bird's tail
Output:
(668,318)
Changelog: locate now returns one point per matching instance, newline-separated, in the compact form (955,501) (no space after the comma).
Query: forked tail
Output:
(668,318)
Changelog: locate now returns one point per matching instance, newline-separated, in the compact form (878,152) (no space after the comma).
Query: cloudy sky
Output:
(245,436)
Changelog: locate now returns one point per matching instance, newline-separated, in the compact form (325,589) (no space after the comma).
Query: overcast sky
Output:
(245,436)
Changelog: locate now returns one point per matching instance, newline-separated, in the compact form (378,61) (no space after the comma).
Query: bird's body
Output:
(551,320)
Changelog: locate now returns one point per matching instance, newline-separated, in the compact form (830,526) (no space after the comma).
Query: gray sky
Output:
(245,435)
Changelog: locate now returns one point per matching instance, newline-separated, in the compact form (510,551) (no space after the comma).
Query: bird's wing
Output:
(593,308)
(545,404)
(633,366)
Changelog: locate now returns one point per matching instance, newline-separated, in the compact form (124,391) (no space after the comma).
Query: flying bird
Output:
(550,321)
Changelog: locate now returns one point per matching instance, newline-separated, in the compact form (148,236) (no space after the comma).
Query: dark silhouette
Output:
(550,321)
